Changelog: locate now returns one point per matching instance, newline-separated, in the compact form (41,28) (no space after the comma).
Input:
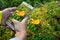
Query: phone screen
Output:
(22,10)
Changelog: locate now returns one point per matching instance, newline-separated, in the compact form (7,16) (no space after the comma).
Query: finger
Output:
(15,21)
(11,13)
(12,9)
(25,20)
(4,18)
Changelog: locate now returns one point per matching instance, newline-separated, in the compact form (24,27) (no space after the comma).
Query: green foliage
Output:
(47,29)
(15,3)
(5,34)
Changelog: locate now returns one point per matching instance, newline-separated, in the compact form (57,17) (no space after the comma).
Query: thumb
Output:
(15,21)
(25,20)
(12,9)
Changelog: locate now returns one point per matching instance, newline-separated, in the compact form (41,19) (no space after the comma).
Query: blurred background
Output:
(15,3)
(6,34)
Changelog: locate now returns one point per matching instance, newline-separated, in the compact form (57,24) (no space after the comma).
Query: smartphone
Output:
(23,7)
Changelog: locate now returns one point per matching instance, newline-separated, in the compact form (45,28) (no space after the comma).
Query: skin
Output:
(20,27)
(6,13)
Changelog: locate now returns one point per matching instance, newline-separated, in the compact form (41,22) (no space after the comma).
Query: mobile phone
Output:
(23,7)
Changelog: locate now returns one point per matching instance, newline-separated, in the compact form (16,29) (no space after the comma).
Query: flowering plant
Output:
(43,23)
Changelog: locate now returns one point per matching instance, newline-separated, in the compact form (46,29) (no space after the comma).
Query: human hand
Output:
(20,28)
(6,13)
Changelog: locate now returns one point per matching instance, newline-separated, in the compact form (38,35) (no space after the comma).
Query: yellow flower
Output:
(33,21)
(37,21)
(20,13)
(17,11)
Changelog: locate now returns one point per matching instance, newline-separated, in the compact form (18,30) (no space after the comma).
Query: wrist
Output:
(20,30)
(21,35)
(0,17)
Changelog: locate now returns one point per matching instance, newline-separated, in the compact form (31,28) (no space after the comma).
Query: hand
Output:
(6,13)
(20,28)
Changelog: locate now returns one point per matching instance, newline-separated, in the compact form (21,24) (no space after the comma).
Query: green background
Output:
(6,34)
